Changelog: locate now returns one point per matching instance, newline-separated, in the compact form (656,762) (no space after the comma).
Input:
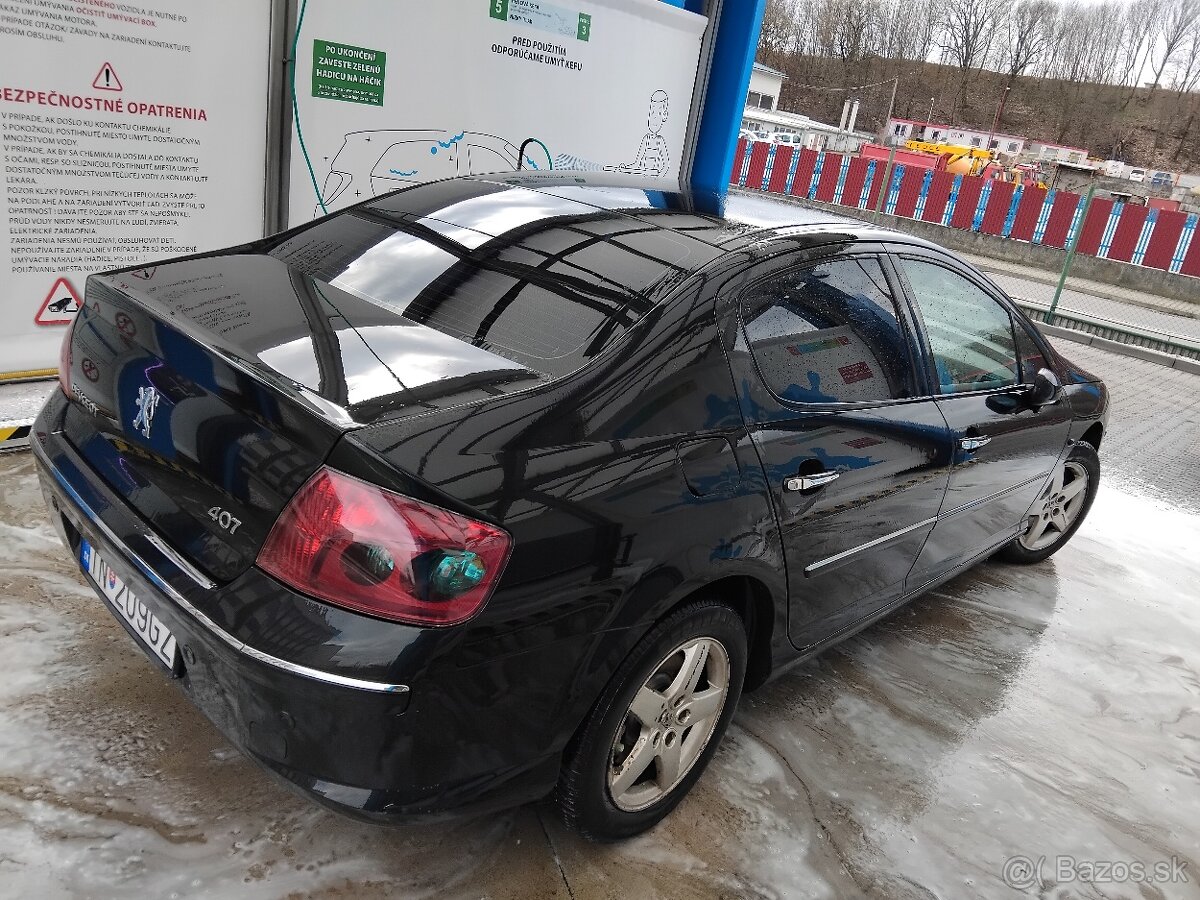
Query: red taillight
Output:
(361,547)
(64,361)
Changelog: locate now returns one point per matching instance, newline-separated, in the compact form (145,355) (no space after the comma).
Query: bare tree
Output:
(1025,34)
(1177,24)
(1187,69)
(779,27)
(969,27)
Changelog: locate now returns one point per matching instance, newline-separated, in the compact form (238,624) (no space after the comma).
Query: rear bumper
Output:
(376,749)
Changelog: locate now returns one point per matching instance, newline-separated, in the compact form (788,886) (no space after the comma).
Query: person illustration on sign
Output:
(652,156)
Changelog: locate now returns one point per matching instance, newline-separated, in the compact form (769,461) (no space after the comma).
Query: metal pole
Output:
(279,117)
(996,120)
(891,104)
(887,180)
(929,118)
(1062,278)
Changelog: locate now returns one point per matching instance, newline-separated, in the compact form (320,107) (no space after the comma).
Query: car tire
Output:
(599,793)
(1057,513)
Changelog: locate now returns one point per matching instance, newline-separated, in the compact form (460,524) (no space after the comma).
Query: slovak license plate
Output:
(146,626)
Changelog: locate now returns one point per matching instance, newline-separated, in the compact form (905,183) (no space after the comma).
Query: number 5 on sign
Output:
(499,9)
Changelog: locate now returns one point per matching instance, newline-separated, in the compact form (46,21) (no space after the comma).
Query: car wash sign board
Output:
(128,132)
(385,98)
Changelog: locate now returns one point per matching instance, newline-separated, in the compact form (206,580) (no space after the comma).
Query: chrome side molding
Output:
(846,554)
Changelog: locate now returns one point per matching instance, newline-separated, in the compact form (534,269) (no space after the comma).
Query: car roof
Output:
(558,213)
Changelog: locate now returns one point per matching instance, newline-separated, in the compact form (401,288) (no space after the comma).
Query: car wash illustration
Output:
(371,163)
(652,156)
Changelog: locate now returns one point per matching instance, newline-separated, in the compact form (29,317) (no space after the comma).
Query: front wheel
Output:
(656,725)
(1060,509)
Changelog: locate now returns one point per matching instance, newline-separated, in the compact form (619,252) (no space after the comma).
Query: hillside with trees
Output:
(1118,78)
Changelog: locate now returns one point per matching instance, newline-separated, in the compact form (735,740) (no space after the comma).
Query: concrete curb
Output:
(20,401)
(1163,359)
(14,436)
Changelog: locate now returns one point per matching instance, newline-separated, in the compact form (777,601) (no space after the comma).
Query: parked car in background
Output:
(500,487)
(1162,180)
(1137,175)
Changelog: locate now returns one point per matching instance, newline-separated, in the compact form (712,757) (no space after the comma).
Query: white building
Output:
(901,130)
(762,114)
(765,85)
(1043,151)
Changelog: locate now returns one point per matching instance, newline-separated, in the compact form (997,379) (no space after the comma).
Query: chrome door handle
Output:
(808,482)
(974,443)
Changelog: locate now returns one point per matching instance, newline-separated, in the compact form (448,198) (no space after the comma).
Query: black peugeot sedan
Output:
(496,488)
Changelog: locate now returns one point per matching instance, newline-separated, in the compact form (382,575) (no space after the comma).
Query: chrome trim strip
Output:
(995,496)
(201,618)
(845,554)
(179,562)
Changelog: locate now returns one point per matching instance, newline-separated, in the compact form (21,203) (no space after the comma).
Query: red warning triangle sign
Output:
(107,80)
(60,305)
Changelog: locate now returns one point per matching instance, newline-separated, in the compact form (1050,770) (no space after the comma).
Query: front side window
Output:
(829,334)
(970,334)
(1029,353)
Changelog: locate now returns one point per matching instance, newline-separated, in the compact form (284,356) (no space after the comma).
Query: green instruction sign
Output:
(543,16)
(352,74)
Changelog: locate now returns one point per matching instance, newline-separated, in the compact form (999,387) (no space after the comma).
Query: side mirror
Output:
(1045,390)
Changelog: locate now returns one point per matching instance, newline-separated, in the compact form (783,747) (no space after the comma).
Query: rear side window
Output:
(829,333)
(970,333)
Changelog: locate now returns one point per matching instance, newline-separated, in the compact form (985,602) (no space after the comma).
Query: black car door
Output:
(980,358)
(823,366)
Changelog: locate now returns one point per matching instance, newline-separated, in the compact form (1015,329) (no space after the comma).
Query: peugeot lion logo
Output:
(147,403)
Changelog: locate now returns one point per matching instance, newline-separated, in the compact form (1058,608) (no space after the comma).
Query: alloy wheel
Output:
(1058,508)
(668,724)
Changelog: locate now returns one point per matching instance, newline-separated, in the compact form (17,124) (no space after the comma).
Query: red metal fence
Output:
(1157,238)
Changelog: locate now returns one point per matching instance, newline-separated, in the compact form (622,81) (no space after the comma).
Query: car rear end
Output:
(219,511)
(284,469)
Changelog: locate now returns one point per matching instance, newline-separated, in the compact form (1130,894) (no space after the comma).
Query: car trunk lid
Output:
(206,391)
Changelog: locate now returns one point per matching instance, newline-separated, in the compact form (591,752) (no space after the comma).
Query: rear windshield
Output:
(548,295)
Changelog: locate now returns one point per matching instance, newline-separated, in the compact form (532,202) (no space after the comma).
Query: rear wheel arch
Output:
(1093,435)
(746,595)
(751,599)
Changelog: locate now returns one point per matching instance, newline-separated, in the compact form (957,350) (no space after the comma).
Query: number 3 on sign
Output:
(224,519)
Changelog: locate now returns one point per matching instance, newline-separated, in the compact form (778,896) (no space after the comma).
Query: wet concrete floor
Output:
(1049,713)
